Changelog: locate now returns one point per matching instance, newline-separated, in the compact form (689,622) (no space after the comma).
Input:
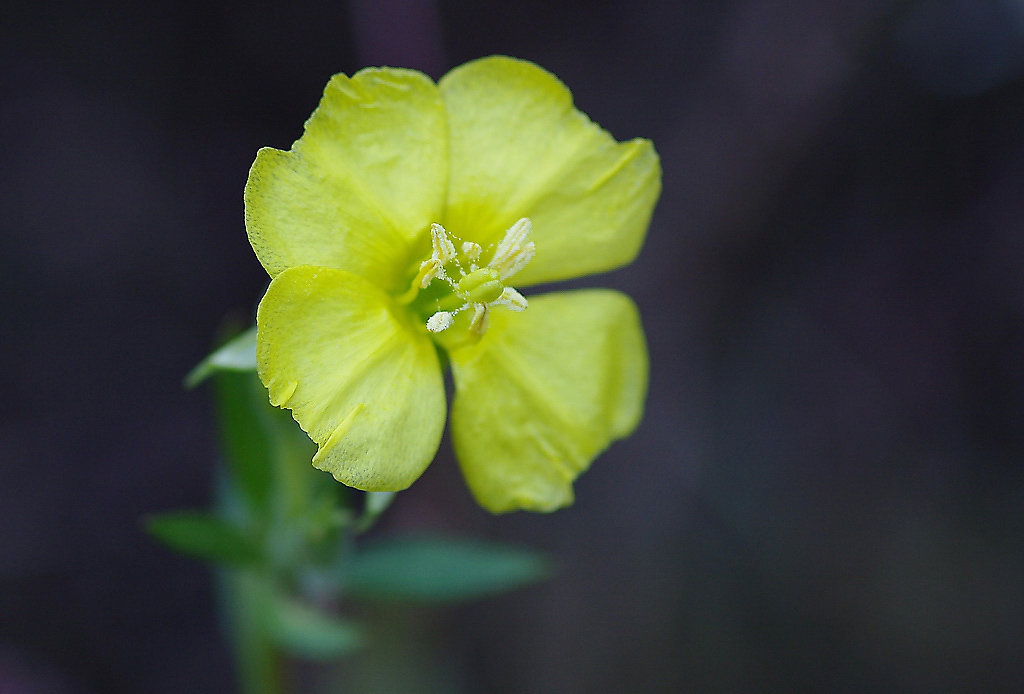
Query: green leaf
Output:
(441,569)
(237,354)
(309,633)
(241,401)
(203,535)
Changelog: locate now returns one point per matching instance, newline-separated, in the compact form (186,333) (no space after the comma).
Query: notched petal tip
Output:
(281,394)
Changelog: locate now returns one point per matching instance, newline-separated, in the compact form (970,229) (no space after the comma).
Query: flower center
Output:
(479,288)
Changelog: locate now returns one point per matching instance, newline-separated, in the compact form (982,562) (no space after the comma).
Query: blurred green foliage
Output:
(285,538)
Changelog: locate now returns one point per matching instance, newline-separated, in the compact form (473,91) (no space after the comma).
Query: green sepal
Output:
(237,354)
(204,535)
(309,633)
(425,568)
(374,504)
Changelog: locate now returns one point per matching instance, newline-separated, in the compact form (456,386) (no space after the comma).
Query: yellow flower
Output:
(397,230)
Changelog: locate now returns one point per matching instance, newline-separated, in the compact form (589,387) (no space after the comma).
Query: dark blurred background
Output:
(827,493)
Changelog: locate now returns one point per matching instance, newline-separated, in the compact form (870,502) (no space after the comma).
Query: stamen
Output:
(472,250)
(478,324)
(429,269)
(443,250)
(512,299)
(511,245)
(440,321)
(480,288)
(519,260)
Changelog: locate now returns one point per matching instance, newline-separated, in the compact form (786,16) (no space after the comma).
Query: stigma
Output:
(477,288)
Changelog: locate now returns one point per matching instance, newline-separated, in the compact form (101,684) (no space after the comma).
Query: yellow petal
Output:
(518,148)
(359,189)
(360,377)
(543,392)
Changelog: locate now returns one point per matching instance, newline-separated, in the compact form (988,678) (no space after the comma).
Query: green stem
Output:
(257,662)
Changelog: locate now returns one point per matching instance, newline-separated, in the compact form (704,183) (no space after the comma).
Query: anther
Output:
(512,299)
(519,260)
(478,325)
(440,321)
(442,247)
(472,250)
(514,252)
(429,269)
